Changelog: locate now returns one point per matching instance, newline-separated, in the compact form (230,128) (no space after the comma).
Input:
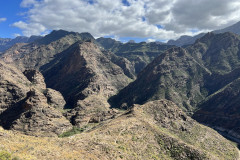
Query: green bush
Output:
(4,155)
(71,132)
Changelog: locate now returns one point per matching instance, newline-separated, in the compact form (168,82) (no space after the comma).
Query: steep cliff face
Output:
(25,107)
(13,86)
(221,110)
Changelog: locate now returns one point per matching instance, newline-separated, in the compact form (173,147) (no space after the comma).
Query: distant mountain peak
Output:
(58,34)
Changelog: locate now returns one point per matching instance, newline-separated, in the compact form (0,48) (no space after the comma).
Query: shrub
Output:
(71,132)
(4,155)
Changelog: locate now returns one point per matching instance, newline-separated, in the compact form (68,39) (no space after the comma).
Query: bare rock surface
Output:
(27,106)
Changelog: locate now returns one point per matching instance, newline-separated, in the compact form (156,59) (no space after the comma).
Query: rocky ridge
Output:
(24,106)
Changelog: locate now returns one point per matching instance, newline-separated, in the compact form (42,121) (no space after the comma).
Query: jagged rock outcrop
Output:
(13,86)
(108,43)
(27,106)
(34,116)
(91,110)
(36,78)
(54,98)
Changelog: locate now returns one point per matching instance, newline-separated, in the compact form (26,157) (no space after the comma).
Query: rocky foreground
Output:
(141,133)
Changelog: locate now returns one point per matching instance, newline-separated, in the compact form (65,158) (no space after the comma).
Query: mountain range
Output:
(199,79)
(6,43)
(128,101)
(187,40)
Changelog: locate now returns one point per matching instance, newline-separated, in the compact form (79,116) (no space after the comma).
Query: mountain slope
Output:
(235,28)
(88,70)
(108,43)
(87,78)
(185,40)
(218,52)
(221,110)
(186,76)
(174,75)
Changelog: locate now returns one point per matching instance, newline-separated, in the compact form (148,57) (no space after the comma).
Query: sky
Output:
(140,20)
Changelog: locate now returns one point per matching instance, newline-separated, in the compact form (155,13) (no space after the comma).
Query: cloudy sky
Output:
(121,19)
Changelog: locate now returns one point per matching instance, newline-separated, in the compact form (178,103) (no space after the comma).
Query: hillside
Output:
(156,130)
(174,75)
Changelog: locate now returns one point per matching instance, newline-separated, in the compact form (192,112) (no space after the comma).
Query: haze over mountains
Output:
(130,101)
(186,40)
(6,43)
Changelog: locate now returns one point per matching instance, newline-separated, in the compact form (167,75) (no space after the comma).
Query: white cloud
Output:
(139,19)
(28,3)
(30,28)
(3,19)
(16,34)
(150,40)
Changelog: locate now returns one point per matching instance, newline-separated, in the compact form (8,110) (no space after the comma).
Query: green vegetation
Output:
(73,131)
(4,155)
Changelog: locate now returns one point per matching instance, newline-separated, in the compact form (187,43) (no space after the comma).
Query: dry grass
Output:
(129,136)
